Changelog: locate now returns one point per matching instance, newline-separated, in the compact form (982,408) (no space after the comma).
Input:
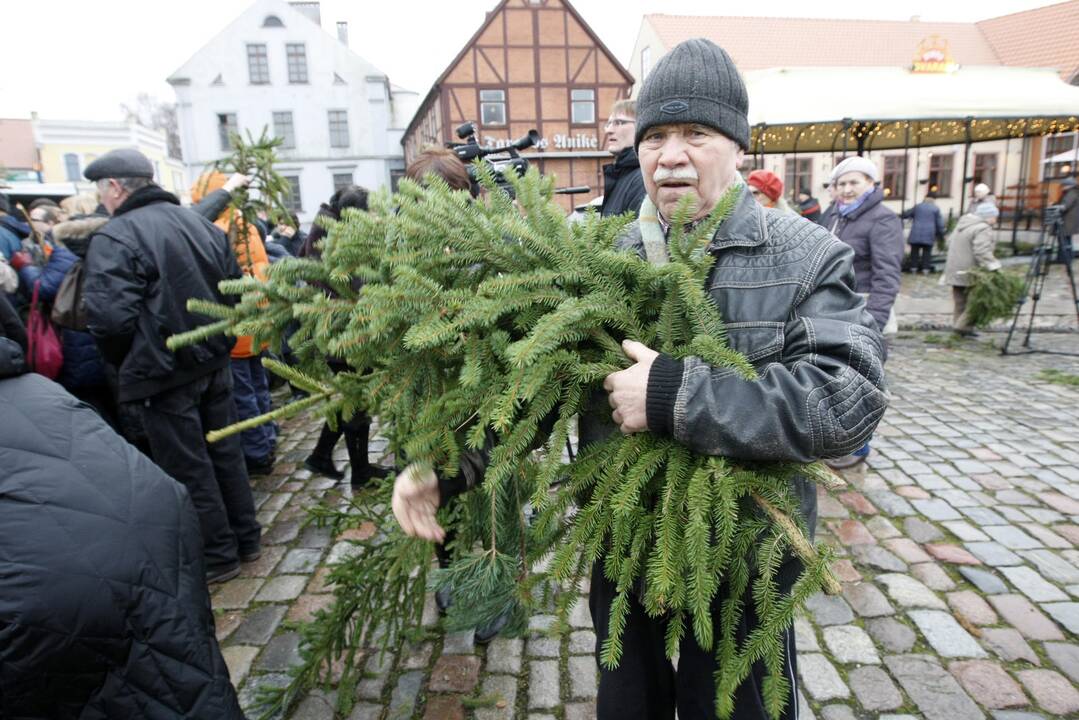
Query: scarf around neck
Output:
(846,210)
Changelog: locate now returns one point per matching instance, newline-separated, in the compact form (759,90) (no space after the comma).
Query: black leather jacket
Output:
(140,271)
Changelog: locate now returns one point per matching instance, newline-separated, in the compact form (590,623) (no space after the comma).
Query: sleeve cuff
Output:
(664,380)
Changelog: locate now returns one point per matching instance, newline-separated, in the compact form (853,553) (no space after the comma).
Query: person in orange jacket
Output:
(250,387)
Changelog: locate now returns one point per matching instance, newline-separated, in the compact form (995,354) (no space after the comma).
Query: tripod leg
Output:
(1028,282)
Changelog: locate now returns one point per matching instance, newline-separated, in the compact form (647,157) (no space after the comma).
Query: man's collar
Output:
(744,227)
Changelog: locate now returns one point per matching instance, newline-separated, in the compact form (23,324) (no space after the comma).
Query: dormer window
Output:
(272,21)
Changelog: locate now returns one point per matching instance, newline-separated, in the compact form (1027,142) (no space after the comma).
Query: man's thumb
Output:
(633,349)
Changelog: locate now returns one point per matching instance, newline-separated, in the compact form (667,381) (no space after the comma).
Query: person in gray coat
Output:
(969,247)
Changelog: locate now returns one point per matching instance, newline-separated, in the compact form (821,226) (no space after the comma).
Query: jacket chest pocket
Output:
(761,342)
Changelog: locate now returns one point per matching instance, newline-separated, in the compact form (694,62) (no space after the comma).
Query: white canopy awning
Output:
(812,109)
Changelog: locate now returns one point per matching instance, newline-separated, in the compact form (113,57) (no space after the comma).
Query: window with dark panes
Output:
(894,184)
(258,64)
(338,128)
(296,55)
(985,169)
(293,201)
(226,127)
(492,107)
(341,180)
(583,106)
(940,174)
(284,129)
(797,173)
(71,167)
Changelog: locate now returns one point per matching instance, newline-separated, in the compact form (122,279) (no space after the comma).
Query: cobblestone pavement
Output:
(959,556)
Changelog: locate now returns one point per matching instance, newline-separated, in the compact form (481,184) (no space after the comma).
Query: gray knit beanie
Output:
(696,82)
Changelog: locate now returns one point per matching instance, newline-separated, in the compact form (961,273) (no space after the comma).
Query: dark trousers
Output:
(356,430)
(645,685)
(251,393)
(176,422)
(921,257)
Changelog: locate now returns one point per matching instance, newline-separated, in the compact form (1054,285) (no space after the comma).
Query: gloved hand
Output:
(415,502)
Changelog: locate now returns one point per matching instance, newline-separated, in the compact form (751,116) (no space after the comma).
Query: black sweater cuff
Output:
(664,380)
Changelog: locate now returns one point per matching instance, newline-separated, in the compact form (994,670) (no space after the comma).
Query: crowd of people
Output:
(121,433)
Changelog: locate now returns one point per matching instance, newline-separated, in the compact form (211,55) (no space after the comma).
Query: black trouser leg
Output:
(174,427)
(326,441)
(218,411)
(921,257)
(645,685)
(357,430)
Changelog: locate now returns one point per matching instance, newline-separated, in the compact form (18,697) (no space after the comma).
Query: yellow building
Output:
(66,147)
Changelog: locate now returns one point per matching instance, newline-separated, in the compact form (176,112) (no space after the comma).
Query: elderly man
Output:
(141,268)
(623,187)
(785,289)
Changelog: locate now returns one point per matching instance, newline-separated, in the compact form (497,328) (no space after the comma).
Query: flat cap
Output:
(121,163)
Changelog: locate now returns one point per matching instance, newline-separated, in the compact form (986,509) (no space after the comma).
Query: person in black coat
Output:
(623,186)
(927,226)
(141,269)
(104,611)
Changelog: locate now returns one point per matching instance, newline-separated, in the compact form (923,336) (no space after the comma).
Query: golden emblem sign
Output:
(933,56)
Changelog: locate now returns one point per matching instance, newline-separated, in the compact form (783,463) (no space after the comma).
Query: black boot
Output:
(362,469)
(321,458)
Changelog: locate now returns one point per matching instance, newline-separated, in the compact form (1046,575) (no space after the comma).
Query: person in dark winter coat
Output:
(140,271)
(1070,200)
(356,429)
(104,611)
(927,226)
(809,206)
(11,325)
(623,186)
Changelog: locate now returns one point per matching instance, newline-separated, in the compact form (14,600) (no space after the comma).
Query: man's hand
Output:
(238,180)
(415,503)
(627,390)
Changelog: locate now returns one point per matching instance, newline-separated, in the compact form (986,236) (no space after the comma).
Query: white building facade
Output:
(274,67)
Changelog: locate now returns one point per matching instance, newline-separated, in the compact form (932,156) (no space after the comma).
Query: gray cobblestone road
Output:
(959,556)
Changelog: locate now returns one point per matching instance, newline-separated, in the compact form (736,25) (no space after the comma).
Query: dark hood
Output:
(145,196)
(12,360)
(15,225)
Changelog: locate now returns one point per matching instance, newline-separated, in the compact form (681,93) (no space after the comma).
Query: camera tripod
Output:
(1053,247)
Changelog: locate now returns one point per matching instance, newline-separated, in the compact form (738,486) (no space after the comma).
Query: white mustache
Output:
(662,175)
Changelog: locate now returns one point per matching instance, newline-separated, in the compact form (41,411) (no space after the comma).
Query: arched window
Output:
(71,167)
(272,21)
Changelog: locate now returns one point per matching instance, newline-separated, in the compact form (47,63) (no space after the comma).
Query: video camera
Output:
(470,149)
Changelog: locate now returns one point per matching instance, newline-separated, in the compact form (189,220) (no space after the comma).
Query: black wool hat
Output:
(121,163)
(696,82)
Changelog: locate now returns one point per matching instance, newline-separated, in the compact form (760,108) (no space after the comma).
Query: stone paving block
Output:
(543,685)
(1052,566)
(1061,503)
(829,610)
(805,638)
(945,635)
(417,657)
(455,674)
(281,532)
(459,643)
(857,502)
(1016,715)
(320,581)
(236,593)
(1069,532)
(300,560)
(981,516)
(376,669)
(993,554)
(907,550)
(583,679)
(1050,690)
(952,554)
(504,655)
(238,658)
(504,688)
(581,642)
(958,498)
(1047,536)
(1066,657)
(318,705)
(850,644)
(342,551)
(225,623)
(580,711)
(1011,537)
(911,492)
(1024,617)
(867,600)
(932,575)
(837,712)
(921,531)
(908,592)
(874,689)
(893,636)
(1065,613)
(259,625)
(973,607)
(544,647)
(249,696)
(851,532)
(820,679)
(890,504)
(1015,497)
(1012,514)
(281,653)
(444,707)
(580,616)
(805,712)
(988,683)
(1008,644)
(882,528)
(965,531)
(878,557)
(933,690)
(271,555)
(305,607)
(984,580)
(282,587)
(1031,584)
(845,571)
(936,509)
(405,693)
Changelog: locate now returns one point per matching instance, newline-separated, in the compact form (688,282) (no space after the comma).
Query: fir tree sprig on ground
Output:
(993,296)
(484,327)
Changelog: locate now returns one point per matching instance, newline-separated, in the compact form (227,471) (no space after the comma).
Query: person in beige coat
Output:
(970,246)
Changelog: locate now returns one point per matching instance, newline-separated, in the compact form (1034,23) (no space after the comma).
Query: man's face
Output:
(687,159)
(39,219)
(850,186)
(619,131)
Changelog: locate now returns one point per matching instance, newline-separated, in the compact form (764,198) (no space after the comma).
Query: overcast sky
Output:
(80,59)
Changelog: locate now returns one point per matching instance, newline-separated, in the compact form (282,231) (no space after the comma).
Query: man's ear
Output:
(739,158)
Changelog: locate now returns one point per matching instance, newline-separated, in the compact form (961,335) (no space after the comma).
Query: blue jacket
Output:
(928,224)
